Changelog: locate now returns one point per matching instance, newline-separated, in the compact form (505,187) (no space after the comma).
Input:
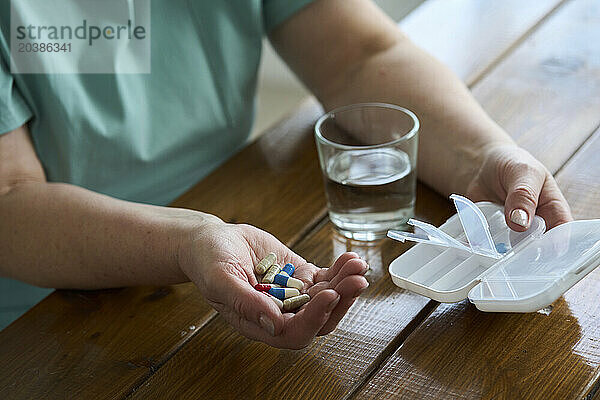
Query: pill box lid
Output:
(536,269)
(474,224)
(539,273)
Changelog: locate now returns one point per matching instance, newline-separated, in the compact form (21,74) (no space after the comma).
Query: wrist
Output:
(195,233)
(475,157)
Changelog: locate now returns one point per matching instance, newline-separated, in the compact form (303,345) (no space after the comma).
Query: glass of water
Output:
(368,155)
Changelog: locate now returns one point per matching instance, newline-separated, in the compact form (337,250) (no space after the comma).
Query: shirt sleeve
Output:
(14,111)
(277,11)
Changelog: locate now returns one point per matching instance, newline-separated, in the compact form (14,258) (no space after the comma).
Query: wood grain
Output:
(579,179)
(545,94)
(104,344)
(333,365)
(463,28)
(460,352)
(580,182)
(85,344)
(269,376)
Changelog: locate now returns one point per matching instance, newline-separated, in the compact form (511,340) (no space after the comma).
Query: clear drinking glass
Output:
(368,155)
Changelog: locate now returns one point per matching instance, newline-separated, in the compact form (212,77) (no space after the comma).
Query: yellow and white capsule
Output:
(295,302)
(288,281)
(284,293)
(270,274)
(265,263)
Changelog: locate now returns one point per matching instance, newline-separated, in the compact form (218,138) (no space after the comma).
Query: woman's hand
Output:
(220,259)
(512,176)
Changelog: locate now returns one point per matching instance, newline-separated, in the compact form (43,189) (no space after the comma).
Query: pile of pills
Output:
(279,283)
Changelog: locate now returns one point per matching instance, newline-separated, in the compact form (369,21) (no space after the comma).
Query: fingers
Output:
(251,305)
(552,205)
(356,266)
(299,329)
(352,267)
(349,289)
(523,183)
(317,287)
(306,273)
(348,281)
(256,316)
(327,274)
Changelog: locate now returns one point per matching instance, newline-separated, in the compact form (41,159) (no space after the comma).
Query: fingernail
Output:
(333,304)
(520,217)
(365,268)
(267,324)
(362,290)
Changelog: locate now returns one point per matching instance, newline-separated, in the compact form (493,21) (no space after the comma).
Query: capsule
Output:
(284,293)
(288,281)
(288,269)
(278,302)
(295,302)
(262,287)
(502,248)
(265,263)
(270,274)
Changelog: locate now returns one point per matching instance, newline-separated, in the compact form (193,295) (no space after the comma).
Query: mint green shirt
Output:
(145,137)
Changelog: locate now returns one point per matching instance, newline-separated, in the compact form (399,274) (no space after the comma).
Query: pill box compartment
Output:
(533,271)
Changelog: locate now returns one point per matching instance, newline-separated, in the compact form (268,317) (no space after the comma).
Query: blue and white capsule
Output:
(288,281)
(284,293)
(278,302)
(288,269)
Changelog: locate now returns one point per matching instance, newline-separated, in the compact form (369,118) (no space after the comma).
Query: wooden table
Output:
(535,67)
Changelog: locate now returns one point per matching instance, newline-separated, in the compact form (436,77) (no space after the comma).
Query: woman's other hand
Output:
(510,175)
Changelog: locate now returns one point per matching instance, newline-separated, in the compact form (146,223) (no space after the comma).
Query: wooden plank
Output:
(580,179)
(141,334)
(580,182)
(85,345)
(464,28)
(545,94)
(121,337)
(258,186)
(459,352)
(267,368)
(333,365)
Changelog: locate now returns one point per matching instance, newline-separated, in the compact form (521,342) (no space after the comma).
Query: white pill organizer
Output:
(475,255)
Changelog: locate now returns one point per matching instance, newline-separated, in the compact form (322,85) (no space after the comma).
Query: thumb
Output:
(523,184)
(247,303)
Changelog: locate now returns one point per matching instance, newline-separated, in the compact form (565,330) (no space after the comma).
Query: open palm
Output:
(221,263)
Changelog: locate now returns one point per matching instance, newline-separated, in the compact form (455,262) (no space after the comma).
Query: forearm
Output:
(454,128)
(354,53)
(59,235)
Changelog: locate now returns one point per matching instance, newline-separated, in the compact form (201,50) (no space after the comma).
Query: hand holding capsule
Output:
(220,259)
